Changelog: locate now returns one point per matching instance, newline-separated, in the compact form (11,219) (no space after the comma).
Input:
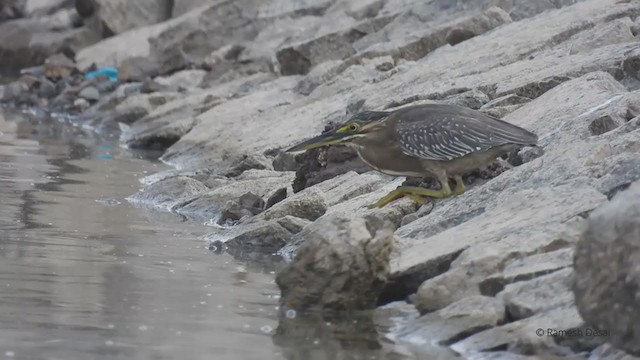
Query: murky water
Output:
(85,275)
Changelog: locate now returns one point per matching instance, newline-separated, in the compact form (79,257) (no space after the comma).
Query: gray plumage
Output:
(445,132)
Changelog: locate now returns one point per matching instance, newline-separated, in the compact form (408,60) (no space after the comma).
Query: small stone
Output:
(90,93)
(81,104)
(277,196)
(58,66)
(284,161)
(293,224)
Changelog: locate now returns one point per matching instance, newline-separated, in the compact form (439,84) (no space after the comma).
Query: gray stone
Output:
(119,15)
(90,93)
(310,205)
(342,267)
(521,336)
(264,237)
(293,224)
(527,298)
(276,197)
(169,192)
(458,320)
(247,163)
(606,265)
(527,269)
(284,161)
(608,352)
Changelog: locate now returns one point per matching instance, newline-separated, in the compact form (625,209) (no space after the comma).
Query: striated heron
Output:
(443,141)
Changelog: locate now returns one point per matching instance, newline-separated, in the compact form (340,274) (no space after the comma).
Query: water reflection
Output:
(84,275)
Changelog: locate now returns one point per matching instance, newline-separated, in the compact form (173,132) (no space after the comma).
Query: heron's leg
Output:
(459,189)
(414,193)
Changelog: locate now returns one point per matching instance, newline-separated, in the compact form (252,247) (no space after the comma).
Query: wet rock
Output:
(90,93)
(527,269)
(258,182)
(85,8)
(58,66)
(15,91)
(300,58)
(81,105)
(276,197)
(606,270)
(259,237)
(343,267)
(458,320)
(35,8)
(520,336)
(169,192)
(527,298)
(293,224)
(310,205)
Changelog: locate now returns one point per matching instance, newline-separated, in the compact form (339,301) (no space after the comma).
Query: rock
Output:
(293,224)
(81,104)
(90,93)
(85,8)
(300,58)
(321,164)
(506,100)
(138,69)
(209,204)
(14,91)
(608,352)
(58,66)
(458,320)
(36,8)
(527,298)
(28,42)
(169,192)
(521,336)
(344,267)
(276,197)
(284,162)
(248,204)
(185,79)
(308,205)
(262,237)
(119,15)
(526,269)
(247,163)
(606,270)
(471,99)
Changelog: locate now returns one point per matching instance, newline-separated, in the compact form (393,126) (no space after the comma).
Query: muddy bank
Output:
(223,87)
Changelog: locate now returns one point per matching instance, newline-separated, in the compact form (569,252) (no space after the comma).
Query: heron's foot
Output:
(459,189)
(414,193)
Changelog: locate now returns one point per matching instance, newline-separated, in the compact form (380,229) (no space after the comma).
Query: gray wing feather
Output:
(450,136)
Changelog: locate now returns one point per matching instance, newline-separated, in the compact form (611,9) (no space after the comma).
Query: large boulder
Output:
(342,267)
(607,281)
(121,15)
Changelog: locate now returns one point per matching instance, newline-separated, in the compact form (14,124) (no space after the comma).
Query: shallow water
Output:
(85,275)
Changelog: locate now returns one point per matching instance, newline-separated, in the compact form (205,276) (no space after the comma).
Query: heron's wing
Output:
(447,135)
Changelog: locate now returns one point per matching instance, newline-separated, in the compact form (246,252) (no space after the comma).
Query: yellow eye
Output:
(354,127)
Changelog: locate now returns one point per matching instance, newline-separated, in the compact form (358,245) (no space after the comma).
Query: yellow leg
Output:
(459,189)
(414,193)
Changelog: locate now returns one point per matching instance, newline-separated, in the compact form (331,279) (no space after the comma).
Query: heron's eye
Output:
(354,127)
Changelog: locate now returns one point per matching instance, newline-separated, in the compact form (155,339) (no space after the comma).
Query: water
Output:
(85,275)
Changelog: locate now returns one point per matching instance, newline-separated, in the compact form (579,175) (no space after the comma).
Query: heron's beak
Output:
(328,138)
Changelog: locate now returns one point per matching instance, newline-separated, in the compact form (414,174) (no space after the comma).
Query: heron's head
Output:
(359,125)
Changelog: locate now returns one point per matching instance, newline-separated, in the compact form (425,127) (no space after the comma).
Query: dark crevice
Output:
(400,286)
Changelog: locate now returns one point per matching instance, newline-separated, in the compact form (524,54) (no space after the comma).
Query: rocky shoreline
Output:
(222,87)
